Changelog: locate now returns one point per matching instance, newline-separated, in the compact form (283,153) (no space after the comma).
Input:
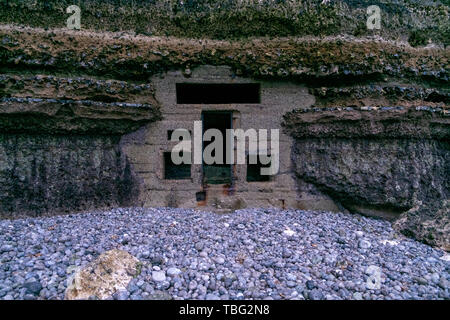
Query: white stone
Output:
(445,257)
(109,273)
(364,244)
(158,276)
(288,232)
(171,272)
(219,260)
(205,277)
(390,242)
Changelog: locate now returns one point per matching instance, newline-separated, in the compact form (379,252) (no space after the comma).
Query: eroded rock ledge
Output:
(381,161)
(49,104)
(125,56)
(398,122)
(60,142)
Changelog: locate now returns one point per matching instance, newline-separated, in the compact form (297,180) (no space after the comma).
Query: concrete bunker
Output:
(220,100)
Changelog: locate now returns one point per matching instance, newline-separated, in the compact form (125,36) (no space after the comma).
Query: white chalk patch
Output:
(390,242)
(288,232)
(445,257)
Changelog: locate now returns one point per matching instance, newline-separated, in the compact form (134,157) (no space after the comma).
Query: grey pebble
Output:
(328,256)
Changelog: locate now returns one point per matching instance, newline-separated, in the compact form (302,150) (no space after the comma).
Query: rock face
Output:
(392,163)
(389,175)
(429,222)
(417,21)
(138,58)
(377,143)
(109,273)
(83,105)
(60,143)
(42,174)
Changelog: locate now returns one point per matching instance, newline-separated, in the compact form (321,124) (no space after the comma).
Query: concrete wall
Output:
(146,147)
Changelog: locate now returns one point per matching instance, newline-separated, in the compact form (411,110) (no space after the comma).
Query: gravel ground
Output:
(250,254)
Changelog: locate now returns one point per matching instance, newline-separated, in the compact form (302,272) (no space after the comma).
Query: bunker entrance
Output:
(217,173)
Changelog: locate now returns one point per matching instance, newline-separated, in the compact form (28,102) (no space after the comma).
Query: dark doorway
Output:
(217,173)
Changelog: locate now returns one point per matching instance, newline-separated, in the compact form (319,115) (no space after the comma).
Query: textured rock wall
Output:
(380,174)
(316,61)
(413,20)
(378,144)
(60,145)
(44,174)
(389,162)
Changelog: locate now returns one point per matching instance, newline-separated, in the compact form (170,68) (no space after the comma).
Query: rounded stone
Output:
(171,272)
(158,276)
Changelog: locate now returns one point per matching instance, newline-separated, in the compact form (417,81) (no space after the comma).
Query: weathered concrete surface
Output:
(101,278)
(145,148)
(379,162)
